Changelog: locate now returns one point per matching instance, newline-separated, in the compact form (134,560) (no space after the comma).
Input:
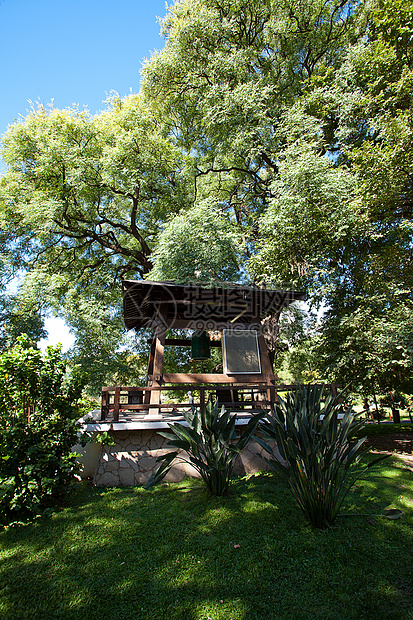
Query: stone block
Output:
(127,477)
(108,479)
(188,470)
(133,459)
(133,465)
(175,475)
(125,461)
(146,463)
(157,441)
(112,466)
(142,477)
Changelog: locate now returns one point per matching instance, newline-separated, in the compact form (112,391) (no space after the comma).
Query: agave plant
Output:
(321,456)
(211,445)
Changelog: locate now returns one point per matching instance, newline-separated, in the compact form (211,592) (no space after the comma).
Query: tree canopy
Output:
(271,143)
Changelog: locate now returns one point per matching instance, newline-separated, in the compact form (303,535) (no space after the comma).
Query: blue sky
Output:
(72,52)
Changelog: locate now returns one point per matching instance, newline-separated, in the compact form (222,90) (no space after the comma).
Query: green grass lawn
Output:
(386,428)
(174,553)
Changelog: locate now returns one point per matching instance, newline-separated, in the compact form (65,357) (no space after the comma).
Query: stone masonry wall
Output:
(131,461)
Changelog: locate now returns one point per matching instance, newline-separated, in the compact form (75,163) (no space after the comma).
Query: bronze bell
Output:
(200,346)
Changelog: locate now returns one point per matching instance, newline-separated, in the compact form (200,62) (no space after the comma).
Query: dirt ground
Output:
(399,444)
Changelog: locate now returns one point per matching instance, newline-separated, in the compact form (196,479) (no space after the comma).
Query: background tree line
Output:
(270,144)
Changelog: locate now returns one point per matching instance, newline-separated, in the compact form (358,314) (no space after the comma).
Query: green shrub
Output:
(38,428)
(394,400)
(105,438)
(379,414)
(211,443)
(320,454)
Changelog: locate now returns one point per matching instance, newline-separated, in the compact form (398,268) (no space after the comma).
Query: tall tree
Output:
(226,79)
(90,192)
(301,126)
(271,142)
(19,315)
(357,256)
(82,203)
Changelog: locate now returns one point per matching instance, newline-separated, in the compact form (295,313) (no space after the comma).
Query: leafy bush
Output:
(379,414)
(320,455)
(38,428)
(211,443)
(103,437)
(394,400)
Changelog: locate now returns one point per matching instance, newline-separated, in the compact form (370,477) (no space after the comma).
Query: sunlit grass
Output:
(177,554)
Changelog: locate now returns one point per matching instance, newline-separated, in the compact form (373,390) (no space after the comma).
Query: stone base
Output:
(132,460)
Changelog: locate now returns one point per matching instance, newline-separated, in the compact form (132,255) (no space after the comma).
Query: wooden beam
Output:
(159,346)
(186,342)
(105,404)
(211,378)
(116,405)
(206,324)
(185,386)
(266,367)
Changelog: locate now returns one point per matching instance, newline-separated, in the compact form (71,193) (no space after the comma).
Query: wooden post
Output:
(105,405)
(147,398)
(266,368)
(202,397)
(116,405)
(155,395)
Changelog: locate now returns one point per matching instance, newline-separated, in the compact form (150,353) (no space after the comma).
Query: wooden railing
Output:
(245,397)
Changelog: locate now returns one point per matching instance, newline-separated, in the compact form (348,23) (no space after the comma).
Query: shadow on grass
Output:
(175,553)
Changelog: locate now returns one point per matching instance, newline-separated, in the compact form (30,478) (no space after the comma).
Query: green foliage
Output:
(19,315)
(394,400)
(302,127)
(102,347)
(95,188)
(105,438)
(410,408)
(86,196)
(296,360)
(369,345)
(319,451)
(38,413)
(211,444)
(197,245)
(271,142)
